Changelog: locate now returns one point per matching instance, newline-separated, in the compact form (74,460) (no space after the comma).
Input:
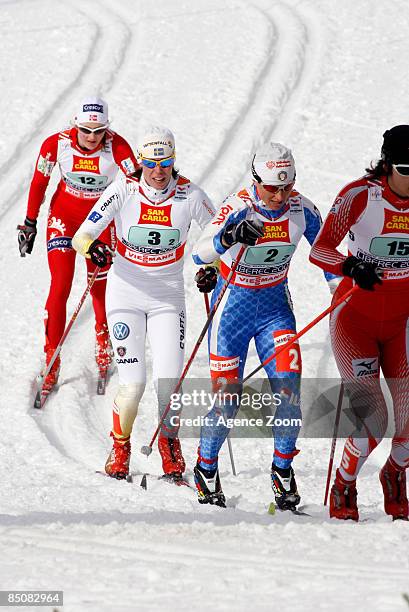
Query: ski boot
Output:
(117,464)
(173,462)
(285,488)
(103,348)
(393,480)
(342,501)
(209,490)
(52,377)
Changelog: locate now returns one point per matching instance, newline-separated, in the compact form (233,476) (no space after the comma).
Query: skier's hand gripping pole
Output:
(287,345)
(146,450)
(41,377)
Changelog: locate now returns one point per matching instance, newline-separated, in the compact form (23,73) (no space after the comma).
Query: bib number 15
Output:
(399,248)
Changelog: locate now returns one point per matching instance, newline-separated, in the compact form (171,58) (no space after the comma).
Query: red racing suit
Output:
(85,174)
(370,332)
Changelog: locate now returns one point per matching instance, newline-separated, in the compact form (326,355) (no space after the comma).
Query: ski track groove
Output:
(52,422)
(29,143)
(286,82)
(274,65)
(182,556)
(236,127)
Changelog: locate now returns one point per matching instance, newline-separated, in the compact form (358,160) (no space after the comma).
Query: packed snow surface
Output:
(324,77)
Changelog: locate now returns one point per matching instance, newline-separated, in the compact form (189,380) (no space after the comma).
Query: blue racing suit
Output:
(257,304)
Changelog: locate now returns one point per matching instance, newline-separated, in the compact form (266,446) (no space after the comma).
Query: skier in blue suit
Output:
(269,217)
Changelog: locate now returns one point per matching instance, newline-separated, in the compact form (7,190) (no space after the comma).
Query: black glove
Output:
(246,232)
(206,279)
(101,254)
(26,235)
(364,273)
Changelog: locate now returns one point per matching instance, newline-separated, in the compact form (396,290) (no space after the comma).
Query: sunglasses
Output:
(277,188)
(163,163)
(402,169)
(97,131)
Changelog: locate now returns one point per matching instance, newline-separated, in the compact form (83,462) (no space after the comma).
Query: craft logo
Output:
(182,330)
(85,164)
(395,223)
(275,231)
(158,215)
(109,201)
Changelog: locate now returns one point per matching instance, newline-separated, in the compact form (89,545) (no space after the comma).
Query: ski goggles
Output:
(163,163)
(277,188)
(97,131)
(402,169)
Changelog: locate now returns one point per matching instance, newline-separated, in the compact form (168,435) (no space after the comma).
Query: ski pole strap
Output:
(294,339)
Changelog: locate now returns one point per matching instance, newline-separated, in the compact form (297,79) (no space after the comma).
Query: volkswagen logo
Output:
(121,331)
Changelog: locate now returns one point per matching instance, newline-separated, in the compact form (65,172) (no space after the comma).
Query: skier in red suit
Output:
(89,156)
(371,332)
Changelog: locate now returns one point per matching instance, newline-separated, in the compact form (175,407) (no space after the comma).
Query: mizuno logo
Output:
(366,364)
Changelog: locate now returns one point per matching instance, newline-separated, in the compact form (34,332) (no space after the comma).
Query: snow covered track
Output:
(223,76)
(240,577)
(107,39)
(279,89)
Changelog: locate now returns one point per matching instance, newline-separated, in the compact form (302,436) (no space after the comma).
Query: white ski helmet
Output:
(157,142)
(273,164)
(92,110)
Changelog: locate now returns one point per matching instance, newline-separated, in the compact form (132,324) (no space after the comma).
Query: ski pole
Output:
(147,449)
(287,345)
(334,441)
(41,377)
(229,444)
